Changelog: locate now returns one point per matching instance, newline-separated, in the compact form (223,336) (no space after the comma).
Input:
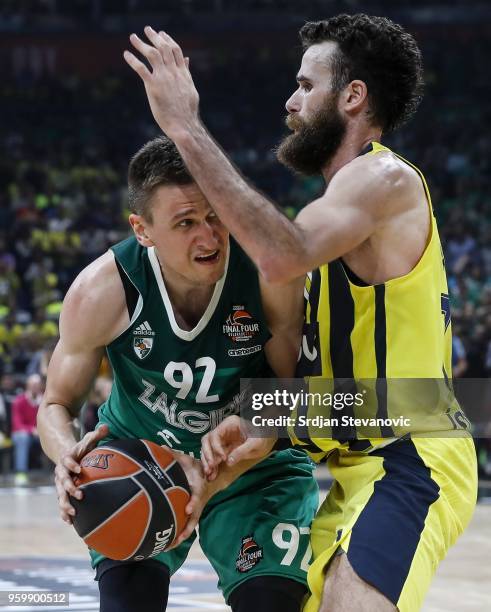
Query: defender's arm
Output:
(283,308)
(354,206)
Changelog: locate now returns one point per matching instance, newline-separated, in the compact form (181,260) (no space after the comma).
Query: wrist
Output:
(212,488)
(59,448)
(224,478)
(184,133)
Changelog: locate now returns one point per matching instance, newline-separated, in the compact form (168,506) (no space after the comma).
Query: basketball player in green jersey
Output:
(377,302)
(178,309)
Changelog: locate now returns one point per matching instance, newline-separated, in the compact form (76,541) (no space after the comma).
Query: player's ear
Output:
(138,225)
(354,96)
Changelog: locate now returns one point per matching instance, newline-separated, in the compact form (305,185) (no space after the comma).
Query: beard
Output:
(315,143)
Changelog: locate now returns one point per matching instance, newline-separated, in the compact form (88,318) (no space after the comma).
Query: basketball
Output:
(134,496)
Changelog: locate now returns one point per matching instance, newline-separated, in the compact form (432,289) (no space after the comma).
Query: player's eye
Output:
(306,86)
(185,223)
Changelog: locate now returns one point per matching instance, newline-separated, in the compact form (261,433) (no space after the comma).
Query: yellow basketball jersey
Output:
(399,329)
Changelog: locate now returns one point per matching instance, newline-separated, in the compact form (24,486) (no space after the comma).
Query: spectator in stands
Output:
(24,431)
(9,284)
(8,393)
(64,194)
(459,356)
(40,359)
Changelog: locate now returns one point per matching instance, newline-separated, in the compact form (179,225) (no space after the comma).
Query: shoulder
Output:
(99,280)
(95,303)
(382,178)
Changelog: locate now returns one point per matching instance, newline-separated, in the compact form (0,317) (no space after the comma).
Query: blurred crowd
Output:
(63,200)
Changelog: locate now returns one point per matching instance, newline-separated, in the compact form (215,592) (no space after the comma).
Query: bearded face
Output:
(314,142)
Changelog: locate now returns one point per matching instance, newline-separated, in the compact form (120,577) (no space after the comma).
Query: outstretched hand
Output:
(229,443)
(246,454)
(169,86)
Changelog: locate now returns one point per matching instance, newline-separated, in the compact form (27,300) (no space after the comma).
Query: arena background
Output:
(72,113)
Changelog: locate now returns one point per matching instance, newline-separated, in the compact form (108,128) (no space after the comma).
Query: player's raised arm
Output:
(351,210)
(89,320)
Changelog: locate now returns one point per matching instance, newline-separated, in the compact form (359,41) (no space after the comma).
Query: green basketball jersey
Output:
(171,386)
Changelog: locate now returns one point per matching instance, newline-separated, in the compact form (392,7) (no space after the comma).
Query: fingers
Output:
(152,54)
(102,431)
(90,440)
(163,51)
(218,444)
(95,436)
(160,43)
(212,453)
(188,530)
(65,486)
(185,461)
(252,448)
(194,509)
(139,67)
(71,465)
(212,475)
(66,510)
(176,50)
(62,475)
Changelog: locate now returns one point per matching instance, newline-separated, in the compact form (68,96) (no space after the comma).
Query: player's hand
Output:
(169,86)
(229,443)
(69,465)
(201,491)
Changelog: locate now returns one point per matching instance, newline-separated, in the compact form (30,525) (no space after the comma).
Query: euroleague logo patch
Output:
(250,555)
(240,326)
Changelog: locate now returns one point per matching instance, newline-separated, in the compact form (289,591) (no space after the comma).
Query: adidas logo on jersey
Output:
(143,342)
(143,329)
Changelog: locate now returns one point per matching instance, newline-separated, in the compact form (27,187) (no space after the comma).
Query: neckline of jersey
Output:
(210,309)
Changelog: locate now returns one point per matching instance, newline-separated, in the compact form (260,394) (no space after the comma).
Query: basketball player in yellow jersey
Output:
(377,303)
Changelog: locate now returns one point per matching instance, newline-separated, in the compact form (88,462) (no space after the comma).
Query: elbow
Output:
(279,269)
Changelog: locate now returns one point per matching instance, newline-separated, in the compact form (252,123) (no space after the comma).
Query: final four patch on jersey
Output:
(143,340)
(250,555)
(240,325)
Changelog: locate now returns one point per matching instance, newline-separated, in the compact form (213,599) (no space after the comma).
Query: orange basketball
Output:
(134,496)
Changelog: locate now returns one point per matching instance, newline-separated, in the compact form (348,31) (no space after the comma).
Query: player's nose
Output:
(208,238)
(292,104)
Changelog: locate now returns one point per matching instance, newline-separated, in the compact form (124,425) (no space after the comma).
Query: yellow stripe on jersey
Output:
(395,330)
(307,288)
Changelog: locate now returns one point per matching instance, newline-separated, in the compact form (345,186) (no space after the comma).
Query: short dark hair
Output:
(380,53)
(157,163)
